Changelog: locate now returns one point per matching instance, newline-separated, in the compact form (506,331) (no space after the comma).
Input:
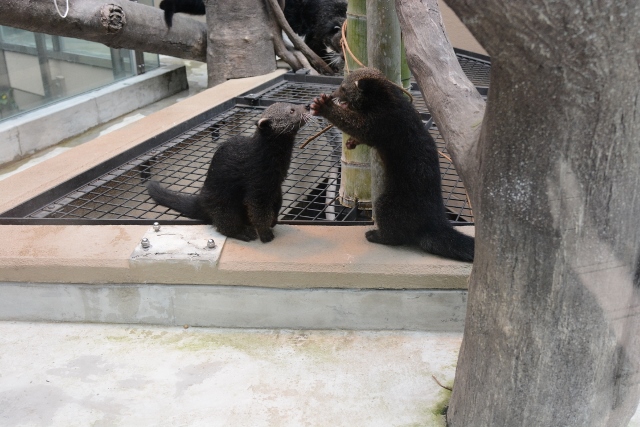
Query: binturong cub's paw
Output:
(351,143)
(266,235)
(320,104)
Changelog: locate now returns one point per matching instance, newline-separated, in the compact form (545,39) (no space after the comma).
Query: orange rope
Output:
(345,44)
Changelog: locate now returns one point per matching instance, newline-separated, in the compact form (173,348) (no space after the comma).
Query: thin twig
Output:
(440,384)
(311,138)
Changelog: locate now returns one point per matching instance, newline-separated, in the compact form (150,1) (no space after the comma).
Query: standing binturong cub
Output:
(409,210)
(242,193)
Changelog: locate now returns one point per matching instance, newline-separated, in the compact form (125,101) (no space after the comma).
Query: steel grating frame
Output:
(180,161)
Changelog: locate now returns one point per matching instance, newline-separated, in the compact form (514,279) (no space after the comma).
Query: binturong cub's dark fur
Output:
(242,193)
(320,23)
(171,7)
(409,210)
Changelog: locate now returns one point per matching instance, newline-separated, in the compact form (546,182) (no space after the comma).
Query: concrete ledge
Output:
(299,257)
(245,307)
(47,126)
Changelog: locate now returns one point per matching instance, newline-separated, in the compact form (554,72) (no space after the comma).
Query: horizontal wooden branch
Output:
(120,24)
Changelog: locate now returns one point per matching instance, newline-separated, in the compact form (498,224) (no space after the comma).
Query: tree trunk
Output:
(552,336)
(119,24)
(239,40)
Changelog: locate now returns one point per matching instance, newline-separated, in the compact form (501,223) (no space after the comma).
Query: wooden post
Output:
(239,40)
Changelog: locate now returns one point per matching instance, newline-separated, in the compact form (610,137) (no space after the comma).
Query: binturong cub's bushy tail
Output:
(449,243)
(186,204)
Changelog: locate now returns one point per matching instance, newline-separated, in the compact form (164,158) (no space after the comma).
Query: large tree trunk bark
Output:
(552,336)
(120,24)
(239,40)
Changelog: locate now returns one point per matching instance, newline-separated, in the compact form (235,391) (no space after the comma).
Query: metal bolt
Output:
(145,243)
(156,226)
(211,244)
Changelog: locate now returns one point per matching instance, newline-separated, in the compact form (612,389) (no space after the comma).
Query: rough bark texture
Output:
(451,98)
(552,336)
(120,24)
(239,40)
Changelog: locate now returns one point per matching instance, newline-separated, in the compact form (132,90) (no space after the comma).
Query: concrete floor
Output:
(132,375)
(121,375)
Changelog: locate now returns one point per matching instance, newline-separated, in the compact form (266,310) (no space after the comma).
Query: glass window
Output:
(39,69)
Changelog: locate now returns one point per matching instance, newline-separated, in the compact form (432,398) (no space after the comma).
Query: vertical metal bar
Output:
(57,46)
(117,63)
(43,60)
(4,71)
(138,60)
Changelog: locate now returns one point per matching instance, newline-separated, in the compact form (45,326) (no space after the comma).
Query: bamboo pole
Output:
(355,184)
(384,53)
(405,72)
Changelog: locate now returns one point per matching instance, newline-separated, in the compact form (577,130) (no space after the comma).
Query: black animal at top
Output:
(318,21)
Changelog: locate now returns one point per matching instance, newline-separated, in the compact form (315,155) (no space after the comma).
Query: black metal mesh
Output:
(476,70)
(309,192)
(297,92)
(453,191)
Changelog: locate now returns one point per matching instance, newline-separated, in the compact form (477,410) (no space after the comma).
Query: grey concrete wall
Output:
(236,306)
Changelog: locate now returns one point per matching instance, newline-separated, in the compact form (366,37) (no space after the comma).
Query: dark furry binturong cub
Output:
(409,210)
(318,21)
(170,7)
(242,194)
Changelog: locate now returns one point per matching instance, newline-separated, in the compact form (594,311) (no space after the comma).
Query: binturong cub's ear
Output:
(365,84)
(263,123)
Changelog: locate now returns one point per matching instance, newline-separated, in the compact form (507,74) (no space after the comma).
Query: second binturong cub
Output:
(242,193)
(409,210)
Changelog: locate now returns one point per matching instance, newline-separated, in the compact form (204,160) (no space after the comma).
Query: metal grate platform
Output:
(180,158)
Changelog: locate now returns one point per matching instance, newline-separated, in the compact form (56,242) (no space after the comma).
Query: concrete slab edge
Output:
(236,306)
